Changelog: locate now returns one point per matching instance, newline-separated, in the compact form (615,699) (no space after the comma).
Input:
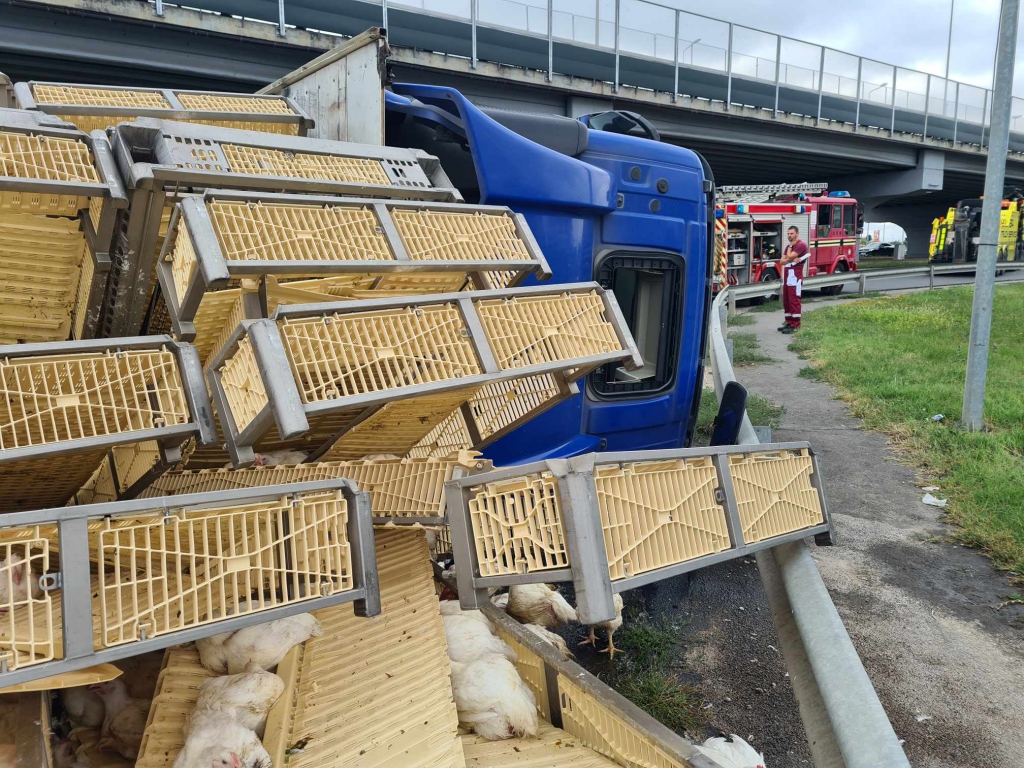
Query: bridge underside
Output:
(120,42)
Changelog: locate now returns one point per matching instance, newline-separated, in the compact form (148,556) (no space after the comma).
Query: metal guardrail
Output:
(843,719)
(738,292)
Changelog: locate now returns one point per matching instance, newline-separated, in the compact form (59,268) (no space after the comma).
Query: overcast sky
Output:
(908,33)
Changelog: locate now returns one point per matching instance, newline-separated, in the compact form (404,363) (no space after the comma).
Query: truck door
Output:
(828,234)
(848,240)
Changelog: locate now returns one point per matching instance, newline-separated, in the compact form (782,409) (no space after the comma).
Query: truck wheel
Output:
(768,276)
(835,290)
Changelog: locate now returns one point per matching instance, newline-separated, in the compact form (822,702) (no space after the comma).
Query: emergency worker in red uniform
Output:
(793,279)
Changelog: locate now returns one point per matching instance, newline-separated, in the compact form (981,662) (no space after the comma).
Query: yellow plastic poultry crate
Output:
(98,107)
(60,197)
(100,582)
(610,522)
(402,491)
(385,372)
(164,160)
(65,405)
(217,240)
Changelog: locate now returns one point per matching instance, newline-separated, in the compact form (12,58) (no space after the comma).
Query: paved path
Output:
(948,668)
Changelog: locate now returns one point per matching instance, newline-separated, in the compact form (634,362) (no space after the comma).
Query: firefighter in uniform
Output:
(793,280)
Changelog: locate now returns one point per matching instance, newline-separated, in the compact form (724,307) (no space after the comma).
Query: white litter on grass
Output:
(938,417)
(930,488)
(922,718)
(931,501)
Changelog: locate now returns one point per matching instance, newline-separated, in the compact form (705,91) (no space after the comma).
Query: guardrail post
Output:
(931,276)
(732,304)
(778,69)
(863,283)
(551,38)
(728,66)
(675,66)
(860,69)
(282,30)
(821,81)
(615,85)
(472,30)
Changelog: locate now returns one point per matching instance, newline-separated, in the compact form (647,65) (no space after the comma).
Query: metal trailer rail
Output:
(95,533)
(500,336)
(161,160)
(738,292)
(34,193)
(843,719)
(384,242)
(84,399)
(97,107)
(630,518)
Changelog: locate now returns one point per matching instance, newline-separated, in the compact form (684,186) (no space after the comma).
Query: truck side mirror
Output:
(726,430)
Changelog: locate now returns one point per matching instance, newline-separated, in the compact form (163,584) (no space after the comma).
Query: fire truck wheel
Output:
(835,290)
(768,276)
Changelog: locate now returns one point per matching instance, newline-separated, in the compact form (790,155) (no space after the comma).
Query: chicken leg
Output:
(611,649)
(592,640)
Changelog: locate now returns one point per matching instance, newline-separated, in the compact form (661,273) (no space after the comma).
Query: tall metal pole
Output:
(927,106)
(956,111)
(675,64)
(892,125)
(778,69)
(728,85)
(597,22)
(995,172)
(615,86)
(472,31)
(282,30)
(989,92)
(384,14)
(949,51)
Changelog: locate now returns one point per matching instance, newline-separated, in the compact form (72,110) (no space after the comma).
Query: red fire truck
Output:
(751,223)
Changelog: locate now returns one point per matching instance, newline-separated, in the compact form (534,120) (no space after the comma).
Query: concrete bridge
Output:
(760,107)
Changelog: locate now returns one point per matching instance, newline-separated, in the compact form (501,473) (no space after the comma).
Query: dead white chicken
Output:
(276,458)
(124,719)
(492,700)
(610,626)
(16,582)
(84,707)
(265,644)
(452,608)
(470,639)
(731,752)
(539,604)
(379,456)
(246,697)
(500,601)
(550,638)
(215,736)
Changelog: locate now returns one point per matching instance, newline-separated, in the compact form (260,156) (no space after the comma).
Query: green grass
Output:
(761,410)
(890,263)
(746,350)
(644,673)
(900,360)
(739,321)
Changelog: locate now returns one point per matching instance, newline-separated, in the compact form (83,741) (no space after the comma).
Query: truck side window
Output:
(824,220)
(837,216)
(649,290)
(850,220)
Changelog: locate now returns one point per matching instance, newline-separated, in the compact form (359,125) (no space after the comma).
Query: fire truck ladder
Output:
(764,192)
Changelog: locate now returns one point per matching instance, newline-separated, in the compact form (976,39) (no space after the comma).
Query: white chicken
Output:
(492,700)
(539,604)
(276,458)
(731,752)
(470,639)
(216,736)
(500,601)
(265,644)
(84,707)
(124,719)
(550,638)
(610,626)
(63,756)
(17,582)
(452,608)
(246,698)
(379,456)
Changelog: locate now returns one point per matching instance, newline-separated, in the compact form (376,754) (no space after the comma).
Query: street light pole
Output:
(949,51)
(995,172)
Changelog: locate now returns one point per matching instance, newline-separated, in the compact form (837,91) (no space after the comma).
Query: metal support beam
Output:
(281,29)
(995,173)
(472,26)
(384,14)
(675,64)
(778,67)
(984,117)
(158,7)
(728,59)
(597,22)
(821,81)
(927,106)
(956,111)
(892,125)
(860,81)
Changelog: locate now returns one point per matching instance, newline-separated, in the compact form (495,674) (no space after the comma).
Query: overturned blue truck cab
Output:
(632,213)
